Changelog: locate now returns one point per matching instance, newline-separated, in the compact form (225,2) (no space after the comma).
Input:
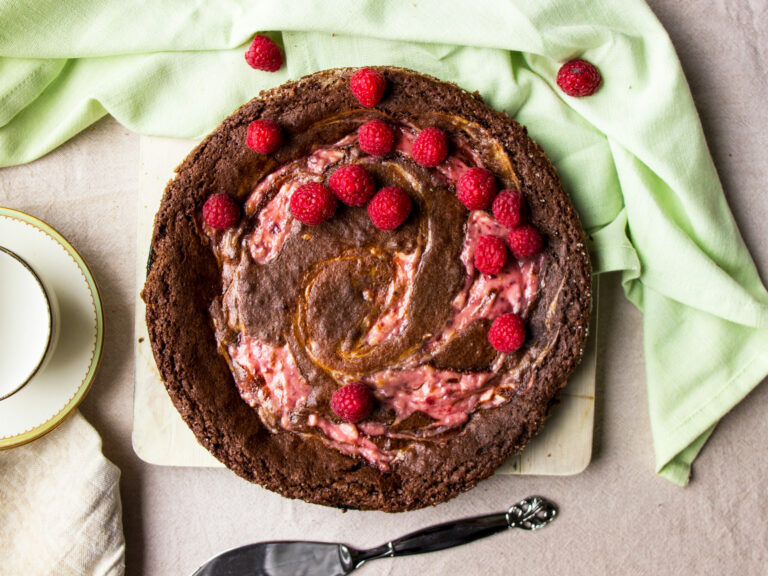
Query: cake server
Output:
(332,559)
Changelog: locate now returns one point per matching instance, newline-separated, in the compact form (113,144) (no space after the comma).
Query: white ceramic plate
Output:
(56,390)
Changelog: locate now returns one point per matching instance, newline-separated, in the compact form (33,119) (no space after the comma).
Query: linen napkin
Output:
(60,508)
(633,156)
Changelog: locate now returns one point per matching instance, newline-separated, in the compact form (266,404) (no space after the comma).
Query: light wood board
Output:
(160,436)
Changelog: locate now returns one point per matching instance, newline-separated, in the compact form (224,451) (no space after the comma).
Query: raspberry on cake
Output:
(507,333)
(352,184)
(376,137)
(430,147)
(220,211)
(264,136)
(524,242)
(507,208)
(395,355)
(476,188)
(368,86)
(352,402)
(389,208)
(312,204)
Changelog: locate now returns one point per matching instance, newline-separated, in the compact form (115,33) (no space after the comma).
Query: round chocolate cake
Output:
(366,306)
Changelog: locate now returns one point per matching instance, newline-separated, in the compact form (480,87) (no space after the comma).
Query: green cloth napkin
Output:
(633,156)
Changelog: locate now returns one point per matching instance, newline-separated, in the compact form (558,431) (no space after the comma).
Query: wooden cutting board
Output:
(160,436)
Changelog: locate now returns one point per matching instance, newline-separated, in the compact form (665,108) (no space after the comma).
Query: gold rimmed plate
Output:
(59,387)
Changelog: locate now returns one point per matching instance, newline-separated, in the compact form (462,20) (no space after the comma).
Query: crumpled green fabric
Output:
(633,156)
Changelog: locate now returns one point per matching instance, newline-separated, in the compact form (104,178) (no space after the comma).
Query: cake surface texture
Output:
(349,362)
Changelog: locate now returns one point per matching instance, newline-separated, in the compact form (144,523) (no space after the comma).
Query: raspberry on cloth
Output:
(264,54)
(579,78)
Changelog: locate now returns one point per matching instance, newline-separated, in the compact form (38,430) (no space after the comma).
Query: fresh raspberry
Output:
(352,184)
(476,188)
(313,204)
(490,254)
(264,54)
(389,208)
(507,333)
(352,402)
(507,208)
(579,78)
(376,137)
(524,242)
(430,147)
(220,211)
(368,86)
(264,136)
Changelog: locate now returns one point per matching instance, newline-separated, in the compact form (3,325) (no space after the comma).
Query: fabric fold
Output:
(23,81)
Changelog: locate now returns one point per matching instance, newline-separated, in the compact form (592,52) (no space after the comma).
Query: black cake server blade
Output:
(332,559)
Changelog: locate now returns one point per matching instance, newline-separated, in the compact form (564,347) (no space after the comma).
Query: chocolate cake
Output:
(257,326)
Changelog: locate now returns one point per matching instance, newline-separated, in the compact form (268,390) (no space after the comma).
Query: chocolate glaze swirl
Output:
(345,301)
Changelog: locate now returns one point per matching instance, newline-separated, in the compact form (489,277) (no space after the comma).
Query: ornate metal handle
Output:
(531,514)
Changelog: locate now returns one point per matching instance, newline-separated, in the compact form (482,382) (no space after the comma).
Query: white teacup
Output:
(28,323)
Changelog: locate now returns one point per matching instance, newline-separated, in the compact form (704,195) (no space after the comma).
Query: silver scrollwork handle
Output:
(531,514)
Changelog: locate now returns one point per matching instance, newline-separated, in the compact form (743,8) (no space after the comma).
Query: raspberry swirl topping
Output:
(307,310)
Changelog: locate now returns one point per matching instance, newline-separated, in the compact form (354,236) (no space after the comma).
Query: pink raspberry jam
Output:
(398,297)
(488,297)
(284,388)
